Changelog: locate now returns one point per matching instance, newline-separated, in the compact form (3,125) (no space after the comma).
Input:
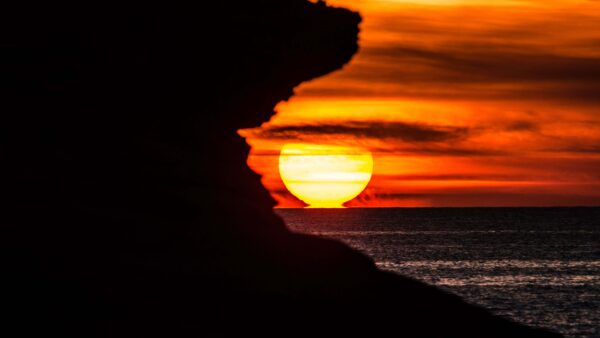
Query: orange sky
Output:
(462,103)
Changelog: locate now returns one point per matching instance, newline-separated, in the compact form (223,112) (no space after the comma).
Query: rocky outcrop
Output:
(129,209)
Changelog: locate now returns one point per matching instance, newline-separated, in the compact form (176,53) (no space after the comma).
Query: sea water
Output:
(538,266)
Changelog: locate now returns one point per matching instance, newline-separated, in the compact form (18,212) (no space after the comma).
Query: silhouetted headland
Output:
(129,210)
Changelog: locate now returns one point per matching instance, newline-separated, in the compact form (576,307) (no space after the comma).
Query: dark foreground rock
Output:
(128,208)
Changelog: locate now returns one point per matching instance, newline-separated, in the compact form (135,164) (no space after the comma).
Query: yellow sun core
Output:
(325,176)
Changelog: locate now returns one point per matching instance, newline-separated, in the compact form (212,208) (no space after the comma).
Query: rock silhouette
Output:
(129,210)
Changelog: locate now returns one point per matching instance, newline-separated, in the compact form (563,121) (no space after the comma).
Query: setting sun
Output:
(325,176)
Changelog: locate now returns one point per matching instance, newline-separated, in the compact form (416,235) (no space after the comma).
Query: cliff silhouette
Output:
(129,210)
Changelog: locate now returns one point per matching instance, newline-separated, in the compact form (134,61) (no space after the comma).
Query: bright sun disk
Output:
(325,176)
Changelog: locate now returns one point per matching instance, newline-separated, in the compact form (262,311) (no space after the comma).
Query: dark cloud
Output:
(392,138)
(581,176)
(572,93)
(437,150)
(398,138)
(469,72)
(412,149)
(576,149)
(522,125)
(547,55)
(398,131)
(458,177)
(484,63)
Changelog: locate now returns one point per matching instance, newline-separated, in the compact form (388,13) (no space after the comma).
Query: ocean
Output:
(538,266)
